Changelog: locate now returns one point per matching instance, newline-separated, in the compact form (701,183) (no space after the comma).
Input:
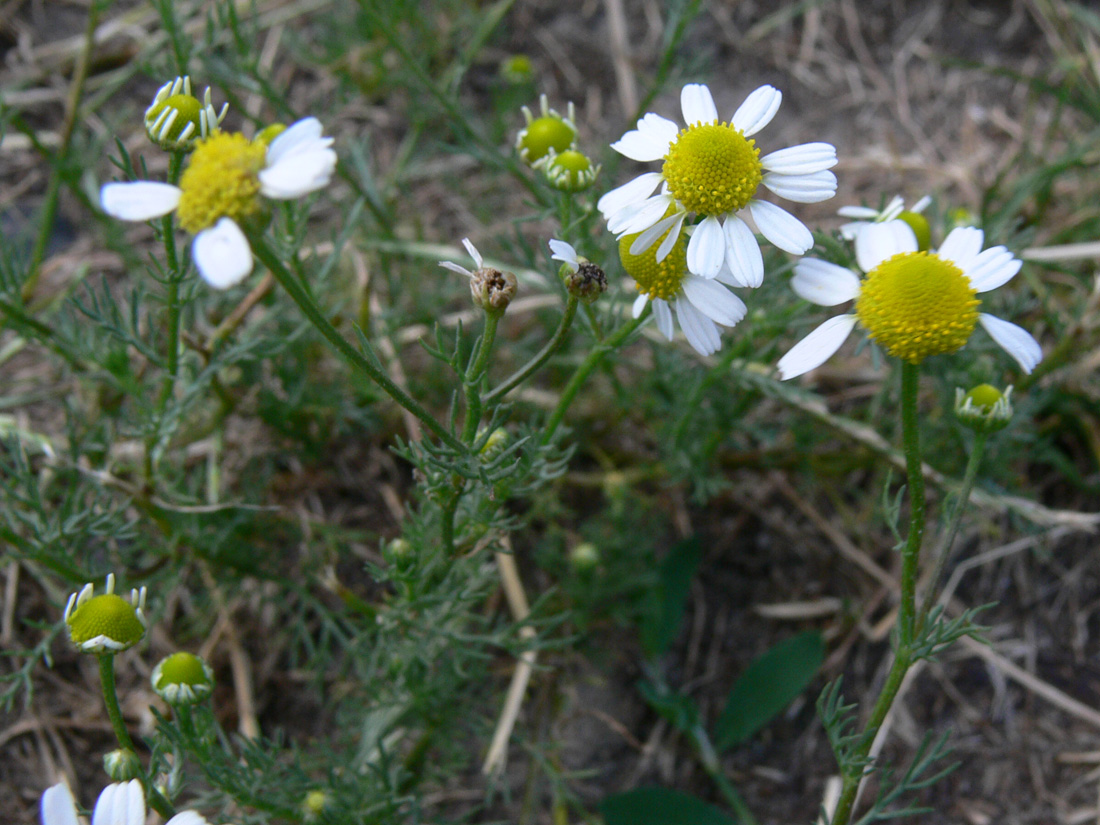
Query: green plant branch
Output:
(711,764)
(475,375)
(544,355)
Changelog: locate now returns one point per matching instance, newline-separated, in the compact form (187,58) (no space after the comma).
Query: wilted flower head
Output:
(98,624)
(176,119)
(491,289)
(583,279)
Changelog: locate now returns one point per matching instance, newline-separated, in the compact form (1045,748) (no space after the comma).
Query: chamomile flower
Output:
(912,303)
(490,288)
(176,119)
(106,622)
(122,803)
(547,134)
(220,191)
(713,169)
(865,216)
(700,304)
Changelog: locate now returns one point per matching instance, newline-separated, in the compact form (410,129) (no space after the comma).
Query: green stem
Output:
(590,363)
(552,346)
(475,376)
(447,526)
(709,757)
(310,309)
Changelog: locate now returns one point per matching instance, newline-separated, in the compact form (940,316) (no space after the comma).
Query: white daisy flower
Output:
(864,215)
(912,303)
(220,190)
(713,170)
(120,804)
(701,304)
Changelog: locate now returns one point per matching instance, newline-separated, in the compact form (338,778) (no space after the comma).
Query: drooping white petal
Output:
(297,174)
(707,248)
(122,803)
(472,250)
(809,188)
(222,254)
(453,267)
(639,217)
(921,205)
(861,212)
(699,330)
(663,313)
(743,256)
(650,141)
(296,137)
(629,193)
(563,252)
(141,200)
(1016,341)
(672,237)
(823,283)
(758,110)
(877,242)
(961,246)
(817,347)
(714,300)
(803,159)
(58,806)
(187,818)
(697,104)
(649,237)
(992,268)
(639,306)
(781,227)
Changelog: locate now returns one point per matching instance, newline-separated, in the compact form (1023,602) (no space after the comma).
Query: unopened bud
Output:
(183,679)
(585,556)
(570,171)
(550,132)
(122,765)
(984,409)
(176,118)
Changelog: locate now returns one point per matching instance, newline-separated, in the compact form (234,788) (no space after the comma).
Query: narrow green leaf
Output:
(768,685)
(660,806)
(662,624)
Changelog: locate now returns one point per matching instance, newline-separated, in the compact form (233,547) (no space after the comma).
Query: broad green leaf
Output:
(768,685)
(660,806)
(662,624)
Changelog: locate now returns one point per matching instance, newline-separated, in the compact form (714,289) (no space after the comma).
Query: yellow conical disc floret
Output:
(713,169)
(106,622)
(221,181)
(656,279)
(916,304)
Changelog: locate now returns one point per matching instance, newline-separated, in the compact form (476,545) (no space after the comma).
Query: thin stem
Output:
(709,757)
(447,525)
(475,376)
(310,309)
(532,366)
(910,554)
(585,369)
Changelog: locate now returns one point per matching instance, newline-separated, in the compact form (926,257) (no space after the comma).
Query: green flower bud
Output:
(182,679)
(494,444)
(517,70)
(105,623)
(176,119)
(314,805)
(122,765)
(984,409)
(550,132)
(919,224)
(269,133)
(570,171)
(584,557)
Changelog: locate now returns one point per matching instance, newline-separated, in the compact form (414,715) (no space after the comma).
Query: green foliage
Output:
(659,806)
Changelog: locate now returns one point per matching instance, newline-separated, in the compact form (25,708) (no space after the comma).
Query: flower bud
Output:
(105,623)
(984,409)
(176,119)
(122,765)
(517,70)
(584,557)
(570,171)
(183,679)
(550,132)
(314,805)
(919,224)
(494,444)
(269,133)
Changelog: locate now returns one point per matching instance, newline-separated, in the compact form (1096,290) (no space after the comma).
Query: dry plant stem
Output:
(532,366)
(906,623)
(53,186)
(110,699)
(310,309)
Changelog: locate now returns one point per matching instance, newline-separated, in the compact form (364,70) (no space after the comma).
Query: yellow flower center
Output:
(712,168)
(106,615)
(917,304)
(221,181)
(657,280)
(544,134)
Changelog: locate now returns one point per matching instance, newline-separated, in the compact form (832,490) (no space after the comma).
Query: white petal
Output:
(743,256)
(707,248)
(781,228)
(810,188)
(639,306)
(1016,341)
(849,231)
(671,238)
(816,348)
(697,104)
(628,194)
(650,141)
(877,242)
(803,159)
(222,254)
(649,237)
(992,268)
(921,205)
(864,212)
(563,252)
(714,300)
(961,246)
(823,283)
(639,217)
(294,138)
(473,253)
(187,818)
(141,200)
(58,806)
(699,330)
(460,270)
(663,314)
(120,804)
(758,110)
(297,174)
